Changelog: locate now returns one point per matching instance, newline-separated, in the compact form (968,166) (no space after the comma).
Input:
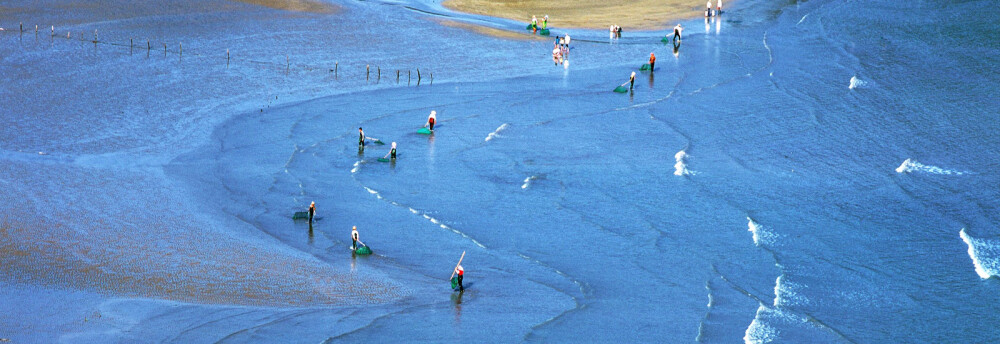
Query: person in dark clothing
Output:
(312,211)
(461,275)
(361,136)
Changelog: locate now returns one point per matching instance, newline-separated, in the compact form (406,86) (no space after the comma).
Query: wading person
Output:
(461,275)
(312,211)
(431,119)
(361,136)
(652,62)
(631,81)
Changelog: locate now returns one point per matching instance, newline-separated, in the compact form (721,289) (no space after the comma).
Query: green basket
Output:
(300,215)
(454,282)
(665,40)
(363,250)
(543,32)
(530,27)
(645,66)
(621,89)
(424,131)
(383,160)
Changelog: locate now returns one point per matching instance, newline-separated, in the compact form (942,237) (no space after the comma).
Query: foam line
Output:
(910,165)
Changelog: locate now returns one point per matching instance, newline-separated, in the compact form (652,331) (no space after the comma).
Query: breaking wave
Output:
(761,235)
(496,133)
(680,168)
(855,83)
(985,255)
(910,165)
(527,181)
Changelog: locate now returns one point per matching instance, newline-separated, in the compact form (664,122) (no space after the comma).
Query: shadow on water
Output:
(457,299)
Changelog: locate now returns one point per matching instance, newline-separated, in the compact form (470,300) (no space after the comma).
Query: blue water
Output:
(815,171)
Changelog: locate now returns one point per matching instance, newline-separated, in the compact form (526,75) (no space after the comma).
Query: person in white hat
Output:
(431,119)
(355,237)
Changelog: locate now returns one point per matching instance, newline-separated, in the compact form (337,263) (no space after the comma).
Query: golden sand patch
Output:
(590,14)
(311,6)
(489,31)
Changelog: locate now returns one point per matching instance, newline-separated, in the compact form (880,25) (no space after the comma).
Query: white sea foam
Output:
(680,168)
(527,181)
(758,331)
(985,255)
(496,133)
(910,165)
(786,293)
(761,235)
(803,18)
(357,165)
(855,83)
(763,330)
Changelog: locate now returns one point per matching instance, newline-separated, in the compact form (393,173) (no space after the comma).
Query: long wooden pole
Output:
(456,266)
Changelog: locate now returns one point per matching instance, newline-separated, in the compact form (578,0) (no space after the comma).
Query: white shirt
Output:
(567,39)
(354,234)
(720,3)
(709,4)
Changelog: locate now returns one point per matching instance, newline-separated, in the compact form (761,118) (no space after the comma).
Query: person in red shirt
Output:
(461,274)
(652,61)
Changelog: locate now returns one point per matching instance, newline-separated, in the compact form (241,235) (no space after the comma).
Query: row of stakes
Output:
(180,52)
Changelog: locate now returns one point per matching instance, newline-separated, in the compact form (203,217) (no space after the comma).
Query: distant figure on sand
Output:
(354,237)
(545,22)
(431,119)
(718,10)
(361,136)
(312,211)
(708,10)
(534,23)
(631,81)
(460,271)
(677,32)
(567,41)
(652,61)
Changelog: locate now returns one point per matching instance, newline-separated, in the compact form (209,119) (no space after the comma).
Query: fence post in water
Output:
(379,72)
(368,71)
(164,49)
(397,76)
(227,58)
(180,49)
(336,67)
(36,29)
(20,26)
(95,35)
(288,64)
(408,77)
(130,46)
(432,78)
(418,76)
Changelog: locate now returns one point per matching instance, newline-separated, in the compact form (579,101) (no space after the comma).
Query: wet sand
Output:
(588,14)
